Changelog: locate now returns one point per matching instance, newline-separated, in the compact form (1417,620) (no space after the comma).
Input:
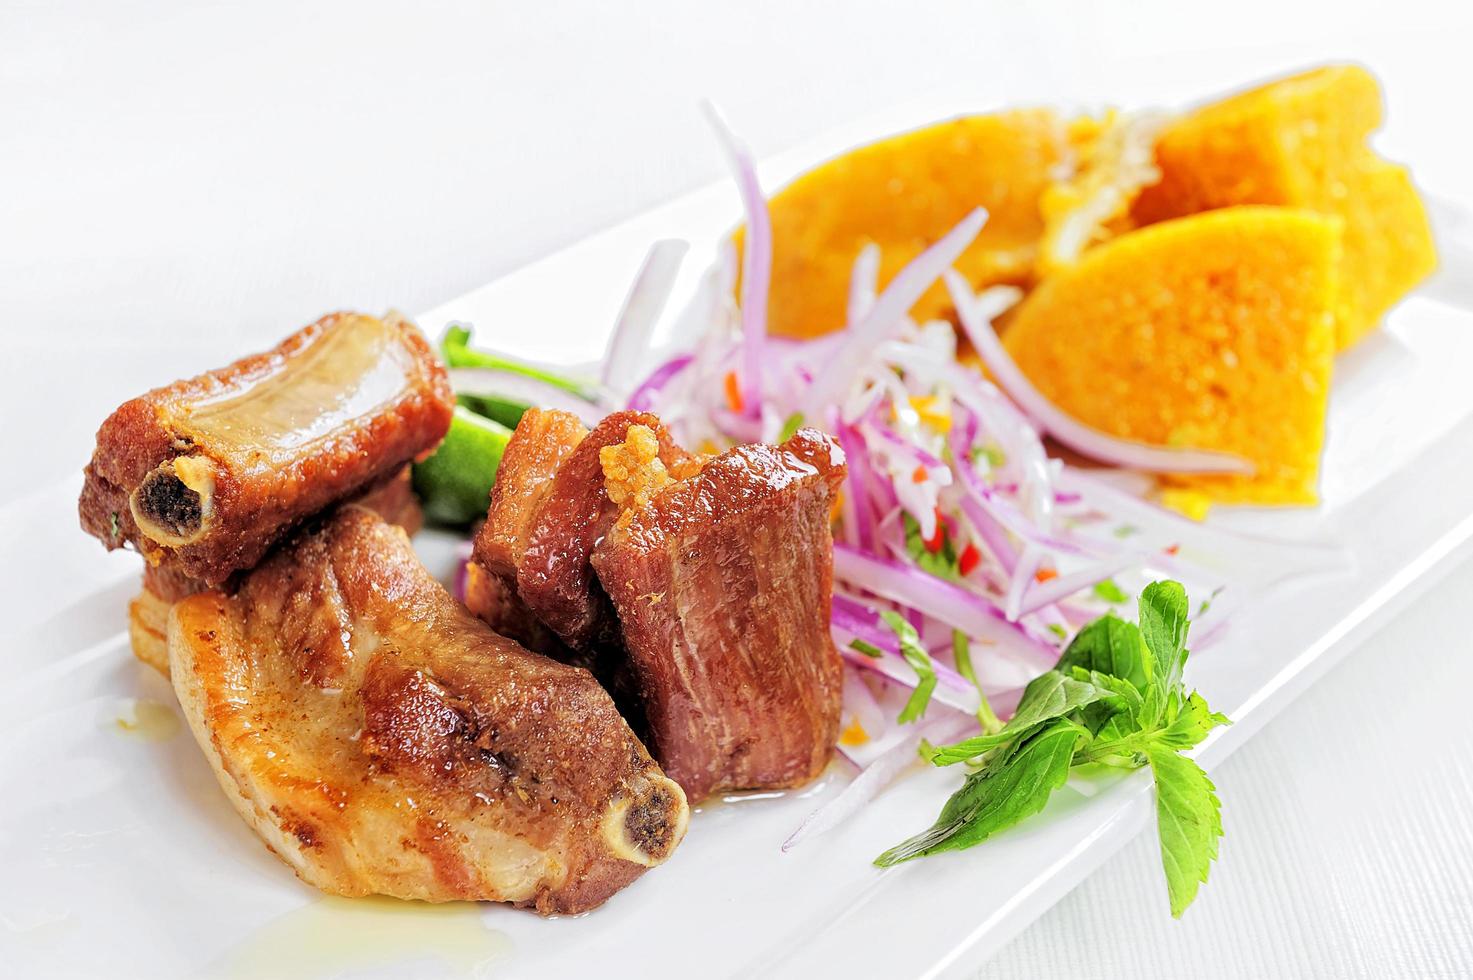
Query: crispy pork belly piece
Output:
(382,740)
(494,599)
(542,440)
(165,583)
(723,582)
(148,628)
(554,577)
(209,472)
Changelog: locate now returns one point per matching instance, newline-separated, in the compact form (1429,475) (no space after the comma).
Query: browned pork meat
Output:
(697,590)
(722,582)
(554,577)
(542,440)
(165,584)
(381,739)
(207,473)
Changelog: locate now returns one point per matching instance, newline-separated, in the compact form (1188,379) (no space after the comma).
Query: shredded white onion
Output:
(629,343)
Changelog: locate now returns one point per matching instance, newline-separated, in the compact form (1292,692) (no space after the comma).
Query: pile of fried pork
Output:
(645,626)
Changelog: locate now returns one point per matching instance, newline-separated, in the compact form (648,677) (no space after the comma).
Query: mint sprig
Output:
(1115,698)
(920,662)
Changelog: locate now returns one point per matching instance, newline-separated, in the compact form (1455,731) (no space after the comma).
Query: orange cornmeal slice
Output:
(1213,331)
(903,193)
(1301,142)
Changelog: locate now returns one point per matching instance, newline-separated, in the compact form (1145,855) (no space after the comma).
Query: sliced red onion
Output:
(906,448)
(973,614)
(462,570)
(1041,594)
(1028,564)
(630,340)
(738,427)
(878,775)
(1004,512)
(861,703)
(643,397)
(951,689)
(994,536)
(860,621)
(756,259)
(490,382)
(862,484)
(1067,429)
(864,283)
(889,311)
(1304,555)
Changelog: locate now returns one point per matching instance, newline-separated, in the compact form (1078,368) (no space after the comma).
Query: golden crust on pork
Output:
(211,471)
(165,583)
(382,740)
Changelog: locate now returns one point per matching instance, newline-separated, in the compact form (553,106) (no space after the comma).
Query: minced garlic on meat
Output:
(633,471)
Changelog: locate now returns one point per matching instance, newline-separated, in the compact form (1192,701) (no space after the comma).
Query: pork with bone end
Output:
(382,740)
(165,583)
(208,473)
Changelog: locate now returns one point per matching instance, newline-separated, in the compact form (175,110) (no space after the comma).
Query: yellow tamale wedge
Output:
(903,193)
(1213,331)
(1301,142)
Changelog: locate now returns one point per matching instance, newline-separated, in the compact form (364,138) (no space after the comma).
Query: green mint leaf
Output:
(1109,591)
(1163,619)
(1122,713)
(1118,744)
(997,798)
(961,655)
(1191,724)
(868,649)
(920,662)
(1126,530)
(1189,820)
(791,425)
(1111,646)
(941,563)
(1048,696)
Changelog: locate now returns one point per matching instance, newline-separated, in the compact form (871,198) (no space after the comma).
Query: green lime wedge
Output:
(454,485)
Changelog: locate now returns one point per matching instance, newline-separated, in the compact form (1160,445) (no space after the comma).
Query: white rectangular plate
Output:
(120,854)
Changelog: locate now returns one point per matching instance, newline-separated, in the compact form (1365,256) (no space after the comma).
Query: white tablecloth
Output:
(185,177)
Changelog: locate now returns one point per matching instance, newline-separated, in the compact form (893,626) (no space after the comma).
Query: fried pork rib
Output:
(699,590)
(165,584)
(722,582)
(381,739)
(542,440)
(208,473)
(554,577)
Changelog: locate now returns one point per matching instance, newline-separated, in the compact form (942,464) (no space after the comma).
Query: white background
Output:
(182,178)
